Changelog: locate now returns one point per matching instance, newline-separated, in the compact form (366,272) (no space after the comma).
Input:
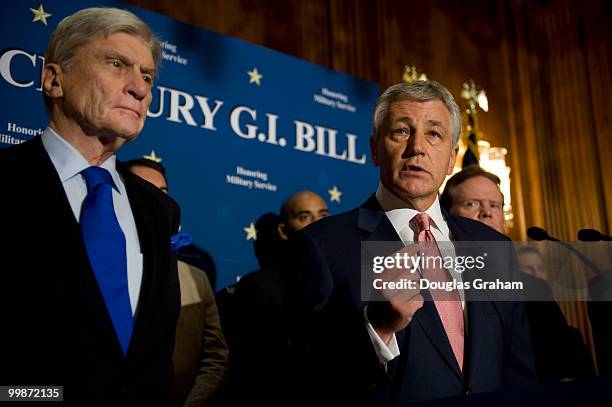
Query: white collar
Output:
(400,214)
(69,162)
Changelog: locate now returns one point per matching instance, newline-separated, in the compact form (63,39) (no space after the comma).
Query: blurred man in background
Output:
(201,357)
(559,351)
(299,211)
(474,193)
(252,309)
(531,262)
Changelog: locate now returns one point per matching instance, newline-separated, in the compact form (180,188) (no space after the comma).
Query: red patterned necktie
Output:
(448,303)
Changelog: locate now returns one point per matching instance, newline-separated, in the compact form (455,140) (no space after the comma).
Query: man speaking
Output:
(90,293)
(404,349)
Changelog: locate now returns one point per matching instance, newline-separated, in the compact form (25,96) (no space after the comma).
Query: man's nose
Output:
(415,143)
(137,86)
(485,211)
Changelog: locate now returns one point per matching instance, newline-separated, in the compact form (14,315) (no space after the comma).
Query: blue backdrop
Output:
(239,127)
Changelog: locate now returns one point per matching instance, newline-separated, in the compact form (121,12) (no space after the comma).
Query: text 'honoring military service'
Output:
(251,179)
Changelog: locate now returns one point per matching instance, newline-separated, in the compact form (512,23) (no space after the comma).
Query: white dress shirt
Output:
(400,215)
(69,163)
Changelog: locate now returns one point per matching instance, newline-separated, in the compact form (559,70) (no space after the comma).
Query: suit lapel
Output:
(428,318)
(476,316)
(376,227)
(475,338)
(143,217)
(46,182)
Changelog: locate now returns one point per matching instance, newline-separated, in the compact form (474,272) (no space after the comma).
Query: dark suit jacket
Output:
(600,309)
(334,352)
(558,348)
(252,317)
(57,330)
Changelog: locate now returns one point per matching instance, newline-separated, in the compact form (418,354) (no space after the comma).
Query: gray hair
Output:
(81,27)
(419,91)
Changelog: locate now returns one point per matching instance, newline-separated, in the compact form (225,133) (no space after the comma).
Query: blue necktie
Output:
(105,245)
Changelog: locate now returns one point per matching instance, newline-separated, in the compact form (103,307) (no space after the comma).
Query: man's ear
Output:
(374,149)
(452,159)
(52,77)
(282,231)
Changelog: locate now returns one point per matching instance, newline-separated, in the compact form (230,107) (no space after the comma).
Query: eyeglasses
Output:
(474,205)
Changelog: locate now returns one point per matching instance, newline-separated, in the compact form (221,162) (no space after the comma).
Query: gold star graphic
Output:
(153,157)
(251,232)
(40,15)
(334,194)
(255,76)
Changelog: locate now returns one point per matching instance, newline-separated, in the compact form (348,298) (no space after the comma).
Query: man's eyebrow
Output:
(110,54)
(403,119)
(302,213)
(149,71)
(435,123)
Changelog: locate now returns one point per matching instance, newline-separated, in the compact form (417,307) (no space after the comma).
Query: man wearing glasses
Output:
(474,193)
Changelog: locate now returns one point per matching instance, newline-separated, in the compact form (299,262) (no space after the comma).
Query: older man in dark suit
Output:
(90,294)
(419,345)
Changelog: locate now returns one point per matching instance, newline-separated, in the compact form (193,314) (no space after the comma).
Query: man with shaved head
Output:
(299,211)
(252,314)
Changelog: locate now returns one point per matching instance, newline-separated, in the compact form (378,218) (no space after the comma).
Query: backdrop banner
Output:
(239,127)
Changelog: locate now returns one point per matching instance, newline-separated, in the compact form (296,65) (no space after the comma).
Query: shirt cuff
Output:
(386,352)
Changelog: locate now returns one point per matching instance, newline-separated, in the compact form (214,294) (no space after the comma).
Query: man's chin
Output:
(117,138)
(412,194)
(499,228)
(129,138)
(126,129)
(414,190)
(128,134)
